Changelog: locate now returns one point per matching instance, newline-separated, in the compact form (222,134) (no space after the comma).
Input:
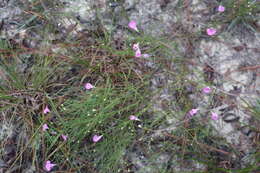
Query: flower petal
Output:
(88,86)
(214,116)
(146,55)
(45,127)
(48,166)
(132,24)
(193,111)
(221,8)
(211,31)
(136,46)
(46,110)
(64,137)
(206,90)
(133,118)
(97,138)
(138,53)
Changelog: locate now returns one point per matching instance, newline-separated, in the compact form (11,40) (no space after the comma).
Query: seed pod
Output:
(245,130)
(226,109)
(230,117)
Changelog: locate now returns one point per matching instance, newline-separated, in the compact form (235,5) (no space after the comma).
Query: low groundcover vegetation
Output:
(84,103)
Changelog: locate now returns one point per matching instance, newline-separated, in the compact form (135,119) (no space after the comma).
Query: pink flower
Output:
(211,31)
(221,8)
(136,46)
(214,116)
(134,118)
(64,137)
(206,90)
(48,165)
(138,53)
(132,24)
(193,111)
(96,138)
(45,127)
(88,86)
(46,110)
(146,55)
(137,50)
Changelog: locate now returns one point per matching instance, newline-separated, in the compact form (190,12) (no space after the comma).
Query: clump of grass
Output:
(23,91)
(57,80)
(104,111)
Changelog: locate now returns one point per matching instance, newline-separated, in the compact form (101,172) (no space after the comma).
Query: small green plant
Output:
(242,12)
